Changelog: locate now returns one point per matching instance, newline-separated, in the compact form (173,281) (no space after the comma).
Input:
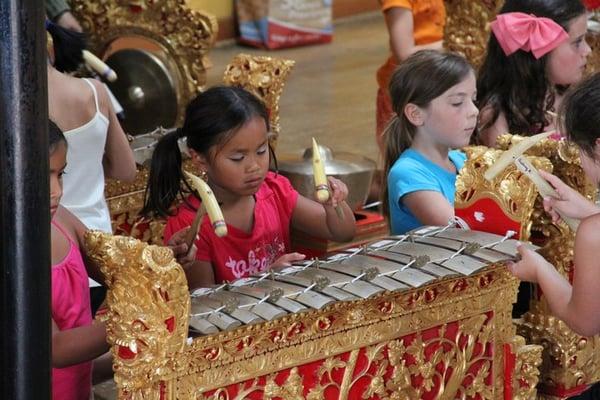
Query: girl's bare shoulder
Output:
(588,232)
(70,223)
(592,221)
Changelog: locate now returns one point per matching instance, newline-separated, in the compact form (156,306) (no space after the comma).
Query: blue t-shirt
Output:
(413,172)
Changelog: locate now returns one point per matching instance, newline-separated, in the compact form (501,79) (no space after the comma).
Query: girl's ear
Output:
(199,160)
(414,114)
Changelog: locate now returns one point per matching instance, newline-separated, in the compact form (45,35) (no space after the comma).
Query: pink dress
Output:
(71,309)
(240,254)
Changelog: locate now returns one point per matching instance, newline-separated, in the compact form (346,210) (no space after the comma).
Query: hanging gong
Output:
(146,89)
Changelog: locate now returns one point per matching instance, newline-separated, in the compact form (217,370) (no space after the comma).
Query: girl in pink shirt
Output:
(76,338)
(226,131)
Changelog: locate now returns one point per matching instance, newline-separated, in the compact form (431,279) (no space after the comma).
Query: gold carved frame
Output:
(513,192)
(147,321)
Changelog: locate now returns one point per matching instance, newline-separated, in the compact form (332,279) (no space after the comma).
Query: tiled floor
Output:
(330,95)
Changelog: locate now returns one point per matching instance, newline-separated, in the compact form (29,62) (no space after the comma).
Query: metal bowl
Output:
(354,170)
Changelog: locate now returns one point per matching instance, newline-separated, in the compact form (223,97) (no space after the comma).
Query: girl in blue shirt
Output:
(433,98)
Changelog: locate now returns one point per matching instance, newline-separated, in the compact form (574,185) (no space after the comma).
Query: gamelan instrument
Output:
(396,263)
(426,315)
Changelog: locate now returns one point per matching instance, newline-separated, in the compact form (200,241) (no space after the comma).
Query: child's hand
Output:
(184,255)
(528,268)
(286,260)
(570,202)
(339,191)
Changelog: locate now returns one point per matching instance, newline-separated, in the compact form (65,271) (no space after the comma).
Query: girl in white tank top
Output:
(84,178)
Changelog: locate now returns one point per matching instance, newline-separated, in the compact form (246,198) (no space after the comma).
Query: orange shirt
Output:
(429,18)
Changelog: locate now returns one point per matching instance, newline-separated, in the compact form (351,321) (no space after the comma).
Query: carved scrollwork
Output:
(148,309)
(448,363)
(512,191)
(569,359)
(527,358)
(558,238)
(298,338)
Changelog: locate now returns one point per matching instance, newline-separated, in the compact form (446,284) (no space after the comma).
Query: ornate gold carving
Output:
(569,359)
(186,36)
(458,353)
(430,359)
(528,360)
(558,238)
(513,192)
(209,357)
(148,309)
(147,327)
(263,76)
(455,358)
(467,27)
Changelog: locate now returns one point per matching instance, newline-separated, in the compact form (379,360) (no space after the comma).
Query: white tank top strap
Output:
(95,93)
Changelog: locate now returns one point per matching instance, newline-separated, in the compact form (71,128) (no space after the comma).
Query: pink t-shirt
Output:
(240,254)
(71,309)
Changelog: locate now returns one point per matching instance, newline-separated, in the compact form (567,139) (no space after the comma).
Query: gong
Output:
(146,88)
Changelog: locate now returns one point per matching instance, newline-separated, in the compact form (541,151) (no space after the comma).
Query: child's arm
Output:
(400,25)
(322,220)
(570,202)
(178,243)
(77,345)
(199,274)
(118,159)
(578,305)
(429,207)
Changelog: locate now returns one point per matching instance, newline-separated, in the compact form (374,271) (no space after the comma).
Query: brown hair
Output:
(517,85)
(578,114)
(419,79)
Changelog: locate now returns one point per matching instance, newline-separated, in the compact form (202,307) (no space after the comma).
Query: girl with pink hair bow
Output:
(536,49)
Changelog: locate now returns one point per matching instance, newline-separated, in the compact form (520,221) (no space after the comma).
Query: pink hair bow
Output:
(520,31)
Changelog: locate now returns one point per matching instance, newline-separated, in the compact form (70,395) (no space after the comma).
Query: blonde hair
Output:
(418,80)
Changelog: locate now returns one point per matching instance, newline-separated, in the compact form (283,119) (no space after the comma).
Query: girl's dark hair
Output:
(418,80)
(578,114)
(55,136)
(211,119)
(68,47)
(517,84)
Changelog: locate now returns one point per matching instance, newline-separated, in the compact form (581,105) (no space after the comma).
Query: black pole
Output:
(24,202)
